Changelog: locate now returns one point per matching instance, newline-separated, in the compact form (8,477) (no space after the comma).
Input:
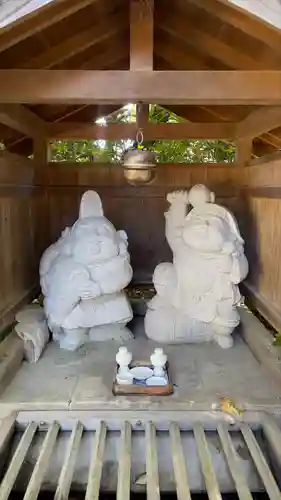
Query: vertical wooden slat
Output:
(234,464)
(182,486)
(42,463)
(261,463)
(211,482)
(17,460)
(95,470)
(124,469)
(67,470)
(152,473)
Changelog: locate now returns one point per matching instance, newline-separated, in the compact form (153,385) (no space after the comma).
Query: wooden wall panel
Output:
(262,228)
(19,249)
(138,210)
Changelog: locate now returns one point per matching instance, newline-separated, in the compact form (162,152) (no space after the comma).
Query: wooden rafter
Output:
(240,20)
(167,87)
(259,122)
(151,131)
(38,20)
(185,31)
(141,35)
(23,120)
(78,43)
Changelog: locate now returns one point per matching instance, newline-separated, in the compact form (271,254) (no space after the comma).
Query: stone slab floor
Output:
(200,374)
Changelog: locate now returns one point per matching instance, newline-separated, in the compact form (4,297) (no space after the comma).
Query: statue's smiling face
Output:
(206,233)
(94,241)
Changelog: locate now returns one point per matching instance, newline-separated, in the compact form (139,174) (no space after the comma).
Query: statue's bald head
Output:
(199,195)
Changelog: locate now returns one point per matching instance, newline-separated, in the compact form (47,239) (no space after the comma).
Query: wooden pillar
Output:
(142,115)
(141,35)
(244,150)
(41,150)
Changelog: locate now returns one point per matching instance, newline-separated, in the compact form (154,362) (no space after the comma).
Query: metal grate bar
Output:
(211,482)
(273,435)
(42,463)
(16,462)
(124,469)
(65,479)
(152,472)
(234,464)
(182,486)
(261,463)
(95,472)
(7,426)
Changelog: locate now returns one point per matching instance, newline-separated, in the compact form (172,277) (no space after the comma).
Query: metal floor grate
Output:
(265,455)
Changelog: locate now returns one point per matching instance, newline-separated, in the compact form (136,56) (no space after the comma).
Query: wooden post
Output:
(41,150)
(142,115)
(244,149)
(141,35)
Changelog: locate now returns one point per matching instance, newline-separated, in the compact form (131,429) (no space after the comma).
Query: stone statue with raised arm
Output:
(82,278)
(197,295)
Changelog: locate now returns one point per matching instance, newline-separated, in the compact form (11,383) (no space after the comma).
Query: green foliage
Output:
(168,151)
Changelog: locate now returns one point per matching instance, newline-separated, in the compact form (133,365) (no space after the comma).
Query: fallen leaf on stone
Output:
(277,340)
(228,406)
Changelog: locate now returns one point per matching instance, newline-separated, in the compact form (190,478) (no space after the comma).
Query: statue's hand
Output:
(178,197)
(90,292)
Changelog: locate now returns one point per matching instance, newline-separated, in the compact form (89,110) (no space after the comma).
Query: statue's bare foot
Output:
(224,341)
(115,332)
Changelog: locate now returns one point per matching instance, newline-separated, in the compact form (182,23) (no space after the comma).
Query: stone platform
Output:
(201,374)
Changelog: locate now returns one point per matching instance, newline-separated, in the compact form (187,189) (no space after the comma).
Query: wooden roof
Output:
(95,35)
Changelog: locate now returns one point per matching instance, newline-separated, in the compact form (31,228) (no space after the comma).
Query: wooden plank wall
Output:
(140,211)
(262,209)
(19,250)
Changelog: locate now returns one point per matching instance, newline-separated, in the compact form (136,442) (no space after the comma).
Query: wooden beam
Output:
(151,131)
(244,151)
(166,87)
(141,35)
(23,120)
(40,19)
(259,122)
(78,43)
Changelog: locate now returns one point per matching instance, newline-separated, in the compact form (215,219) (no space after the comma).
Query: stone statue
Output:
(197,295)
(82,277)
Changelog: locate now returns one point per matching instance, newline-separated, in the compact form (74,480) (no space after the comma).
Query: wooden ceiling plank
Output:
(182,29)
(178,87)
(105,60)
(141,35)
(78,43)
(259,122)
(242,21)
(178,58)
(23,120)
(151,131)
(39,20)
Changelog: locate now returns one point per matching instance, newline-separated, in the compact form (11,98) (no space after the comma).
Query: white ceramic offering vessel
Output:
(123,359)
(158,360)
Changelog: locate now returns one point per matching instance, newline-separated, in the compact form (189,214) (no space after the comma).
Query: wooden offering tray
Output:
(140,387)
